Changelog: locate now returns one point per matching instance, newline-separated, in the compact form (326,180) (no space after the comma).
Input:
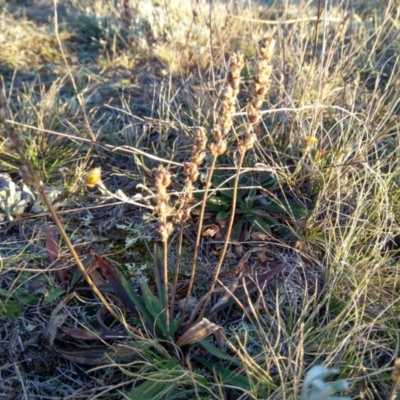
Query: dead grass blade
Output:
(85,334)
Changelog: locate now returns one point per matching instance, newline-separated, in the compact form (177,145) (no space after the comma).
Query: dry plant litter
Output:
(199,199)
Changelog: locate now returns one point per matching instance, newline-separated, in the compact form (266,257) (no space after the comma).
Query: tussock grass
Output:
(307,156)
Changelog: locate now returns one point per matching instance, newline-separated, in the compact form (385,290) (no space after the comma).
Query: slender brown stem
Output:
(198,237)
(177,268)
(40,188)
(394,390)
(76,257)
(167,314)
(227,237)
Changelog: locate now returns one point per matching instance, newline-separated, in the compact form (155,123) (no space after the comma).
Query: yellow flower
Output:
(310,141)
(93,177)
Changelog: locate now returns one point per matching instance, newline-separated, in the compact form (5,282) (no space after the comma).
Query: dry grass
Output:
(132,90)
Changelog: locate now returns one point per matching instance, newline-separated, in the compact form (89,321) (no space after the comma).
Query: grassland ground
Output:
(309,211)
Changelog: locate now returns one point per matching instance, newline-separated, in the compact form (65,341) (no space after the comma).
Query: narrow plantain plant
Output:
(160,332)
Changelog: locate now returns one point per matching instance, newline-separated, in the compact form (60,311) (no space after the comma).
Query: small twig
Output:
(289,21)
(123,149)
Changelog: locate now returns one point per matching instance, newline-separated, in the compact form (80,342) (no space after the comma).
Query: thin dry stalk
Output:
(396,380)
(261,86)
(243,147)
(31,177)
(217,148)
(191,171)
(3,107)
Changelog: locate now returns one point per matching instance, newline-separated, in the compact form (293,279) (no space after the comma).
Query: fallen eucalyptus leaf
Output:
(51,329)
(198,332)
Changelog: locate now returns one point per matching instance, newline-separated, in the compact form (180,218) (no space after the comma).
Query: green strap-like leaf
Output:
(137,301)
(155,308)
(216,352)
(118,282)
(52,295)
(147,390)
(226,375)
